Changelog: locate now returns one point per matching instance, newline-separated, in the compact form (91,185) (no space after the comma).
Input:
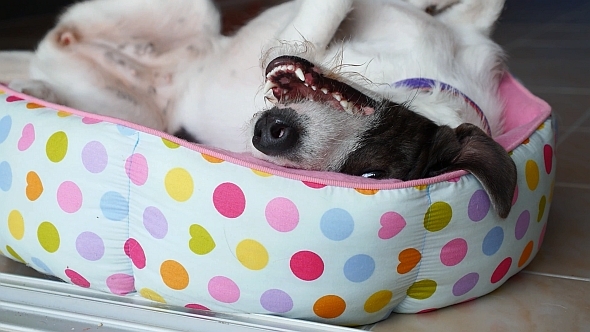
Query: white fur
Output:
(166,65)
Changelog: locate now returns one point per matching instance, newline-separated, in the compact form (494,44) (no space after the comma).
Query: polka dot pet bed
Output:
(123,209)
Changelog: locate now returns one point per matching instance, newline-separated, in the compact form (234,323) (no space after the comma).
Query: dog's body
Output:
(165,64)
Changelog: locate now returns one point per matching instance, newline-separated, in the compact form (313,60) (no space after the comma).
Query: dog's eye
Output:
(374,174)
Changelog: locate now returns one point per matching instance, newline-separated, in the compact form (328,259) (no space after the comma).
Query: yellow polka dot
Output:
(63,114)
(252,254)
(421,187)
(48,236)
(542,126)
(16,224)
(211,159)
(14,254)
(174,275)
(170,144)
(261,173)
(526,253)
(542,204)
(422,289)
(438,216)
(179,184)
(368,192)
(329,306)
(151,295)
(532,174)
(2,92)
(57,146)
(201,242)
(378,301)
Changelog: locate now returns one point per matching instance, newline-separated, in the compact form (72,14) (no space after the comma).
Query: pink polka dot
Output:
(392,224)
(515,197)
(224,289)
(229,200)
(27,137)
(307,265)
(196,306)
(501,270)
(69,197)
(77,279)
(313,185)
(135,252)
(282,214)
(120,284)
(453,252)
(136,168)
(548,156)
(541,237)
(89,121)
(455,179)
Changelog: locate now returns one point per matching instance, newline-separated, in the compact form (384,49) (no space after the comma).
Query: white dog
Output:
(404,89)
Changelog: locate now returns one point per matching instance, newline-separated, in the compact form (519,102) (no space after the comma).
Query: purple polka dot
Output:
(282,214)
(522,224)
(94,157)
(136,168)
(69,197)
(479,205)
(453,252)
(465,284)
(121,284)
(276,301)
(90,246)
(155,222)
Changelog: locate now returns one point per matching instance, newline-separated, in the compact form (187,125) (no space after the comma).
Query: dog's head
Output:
(319,123)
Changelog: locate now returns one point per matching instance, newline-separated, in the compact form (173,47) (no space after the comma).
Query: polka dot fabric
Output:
(127,210)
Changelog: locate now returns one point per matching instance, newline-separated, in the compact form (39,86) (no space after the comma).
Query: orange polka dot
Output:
(368,192)
(33,106)
(526,254)
(174,275)
(34,187)
(329,306)
(212,159)
(408,259)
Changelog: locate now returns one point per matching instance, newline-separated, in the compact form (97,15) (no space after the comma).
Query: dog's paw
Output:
(35,88)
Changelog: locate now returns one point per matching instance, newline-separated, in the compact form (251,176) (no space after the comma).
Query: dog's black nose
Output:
(276,132)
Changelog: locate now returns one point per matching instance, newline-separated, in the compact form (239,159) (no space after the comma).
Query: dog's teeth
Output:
(325,91)
(290,67)
(313,87)
(307,85)
(344,103)
(299,74)
(337,96)
(268,86)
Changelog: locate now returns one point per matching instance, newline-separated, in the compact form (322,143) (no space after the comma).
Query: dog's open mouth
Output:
(291,79)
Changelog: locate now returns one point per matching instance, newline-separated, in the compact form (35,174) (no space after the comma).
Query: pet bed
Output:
(127,210)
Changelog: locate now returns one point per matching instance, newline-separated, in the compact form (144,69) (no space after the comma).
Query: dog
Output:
(375,88)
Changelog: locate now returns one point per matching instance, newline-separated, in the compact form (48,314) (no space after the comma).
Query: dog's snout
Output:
(275,133)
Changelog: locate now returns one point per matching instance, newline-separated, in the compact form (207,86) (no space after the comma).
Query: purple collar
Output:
(428,84)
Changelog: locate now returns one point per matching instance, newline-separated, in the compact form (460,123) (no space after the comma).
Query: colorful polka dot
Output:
(223,289)
(120,283)
(174,275)
(5,126)
(542,205)
(90,246)
(136,167)
(501,271)
(5,176)
(392,224)
(314,185)
(155,222)
(42,266)
(90,121)
(69,197)
(542,236)
(195,306)
(282,214)
(515,196)
(151,295)
(34,187)
(307,265)
(261,173)
(367,192)
(229,200)
(423,289)
(27,137)
(532,174)
(33,106)
(126,131)
(276,301)
(48,237)
(16,224)
(135,252)
(179,184)
(453,252)
(493,241)
(201,242)
(359,268)
(77,279)
(377,301)
(526,254)
(408,260)
(63,114)
(465,284)
(211,159)
(337,224)
(169,144)
(438,216)
(56,147)
(114,206)
(252,254)
(548,157)
(479,205)
(329,306)
(94,157)
(522,224)
(14,254)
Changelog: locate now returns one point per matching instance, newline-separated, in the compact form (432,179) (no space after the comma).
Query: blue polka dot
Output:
(337,224)
(5,176)
(126,131)
(359,268)
(41,265)
(493,241)
(114,206)
(5,125)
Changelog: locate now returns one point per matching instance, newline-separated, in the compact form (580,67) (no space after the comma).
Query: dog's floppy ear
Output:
(470,148)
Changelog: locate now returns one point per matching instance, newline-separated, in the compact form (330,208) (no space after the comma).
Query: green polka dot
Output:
(57,146)
(422,289)
(48,236)
(14,254)
(438,216)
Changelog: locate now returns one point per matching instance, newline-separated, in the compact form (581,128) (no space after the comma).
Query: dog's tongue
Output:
(290,78)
